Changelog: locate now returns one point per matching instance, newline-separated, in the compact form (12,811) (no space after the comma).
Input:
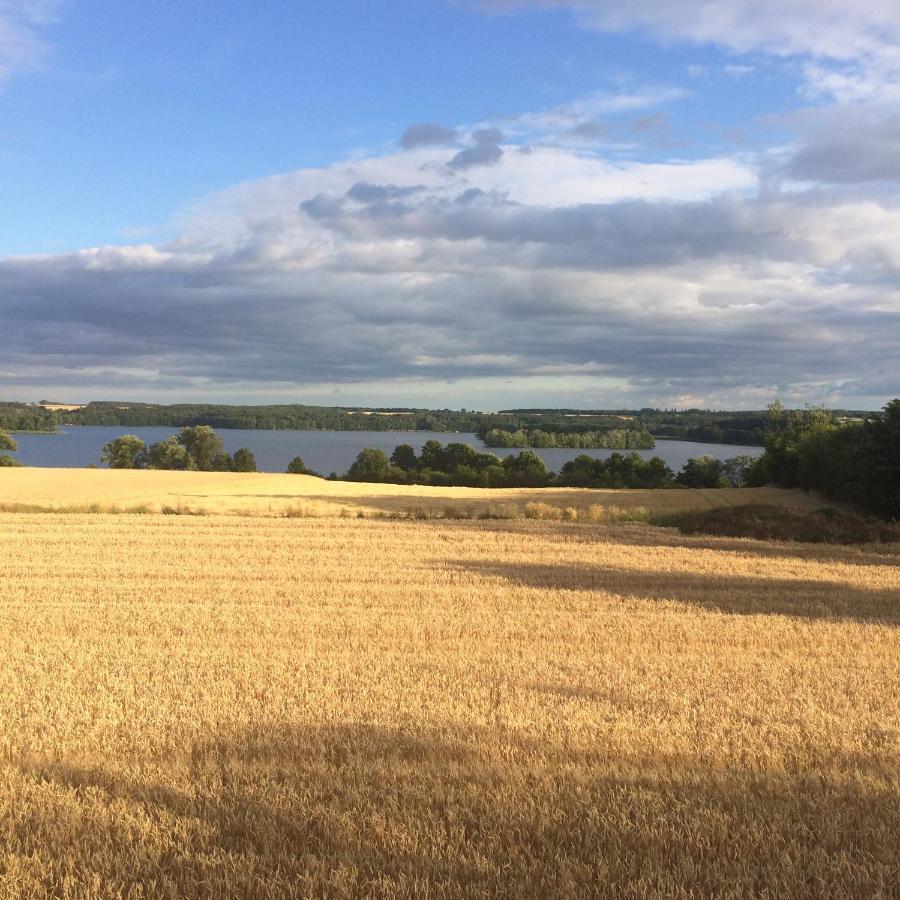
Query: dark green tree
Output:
(404,457)
(297,467)
(526,469)
(243,461)
(373,465)
(125,452)
(169,454)
(8,443)
(203,446)
(702,472)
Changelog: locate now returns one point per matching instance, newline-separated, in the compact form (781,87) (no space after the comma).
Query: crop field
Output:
(265,494)
(221,706)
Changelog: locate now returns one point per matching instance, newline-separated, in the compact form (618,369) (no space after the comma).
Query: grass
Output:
(276,707)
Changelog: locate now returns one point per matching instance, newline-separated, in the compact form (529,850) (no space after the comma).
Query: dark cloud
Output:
(652,127)
(489,136)
(542,284)
(590,130)
(482,154)
(322,206)
(427,134)
(852,147)
(364,192)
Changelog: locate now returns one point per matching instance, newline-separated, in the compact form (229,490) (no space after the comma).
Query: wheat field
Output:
(224,706)
(267,494)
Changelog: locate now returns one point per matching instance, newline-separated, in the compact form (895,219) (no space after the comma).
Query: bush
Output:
(766,522)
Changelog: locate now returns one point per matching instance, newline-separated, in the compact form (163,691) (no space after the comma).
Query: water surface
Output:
(324,451)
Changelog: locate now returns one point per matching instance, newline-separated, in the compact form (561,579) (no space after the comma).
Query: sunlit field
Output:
(223,706)
(104,490)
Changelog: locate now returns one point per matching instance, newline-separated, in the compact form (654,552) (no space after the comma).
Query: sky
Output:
(451,203)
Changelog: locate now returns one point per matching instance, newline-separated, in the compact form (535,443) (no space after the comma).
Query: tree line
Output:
(195,448)
(691,424)
(26,417)
(460,465)
(611,439)
(856,462)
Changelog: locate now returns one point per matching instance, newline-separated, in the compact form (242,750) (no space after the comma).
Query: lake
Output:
(324,451)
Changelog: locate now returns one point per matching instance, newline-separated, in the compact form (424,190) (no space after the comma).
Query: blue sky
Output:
(674,206)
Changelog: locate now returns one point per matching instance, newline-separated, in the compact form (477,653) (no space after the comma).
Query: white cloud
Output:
(854,44)
(21,44)
(554,270)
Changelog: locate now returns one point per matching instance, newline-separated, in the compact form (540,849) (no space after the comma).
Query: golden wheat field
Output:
(122,490)
(222,706)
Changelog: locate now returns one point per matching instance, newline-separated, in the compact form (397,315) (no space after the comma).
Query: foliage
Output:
(297,467)
(125,452)
(404,457)
(26,417)
(612,439)
(855,462)
(168,454)
(619,471)
(8,443)
(526,470)
(455,464)
(702,472)
(564,426)
(243,461)
(373,465)
(205,448)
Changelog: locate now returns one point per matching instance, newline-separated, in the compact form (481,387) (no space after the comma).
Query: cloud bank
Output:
(524,261)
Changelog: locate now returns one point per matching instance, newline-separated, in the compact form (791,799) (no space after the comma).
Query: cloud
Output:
(489,136)
(482,154)
(587,109)
(21,44)
(854,45)
(554,276)
(427,135)
(834,29)
(847,146)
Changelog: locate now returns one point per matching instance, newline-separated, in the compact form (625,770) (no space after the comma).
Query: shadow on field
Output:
(723,592)
(650,536)
(355,810)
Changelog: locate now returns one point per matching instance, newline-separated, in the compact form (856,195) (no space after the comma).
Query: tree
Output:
(243,461)
(203,446)
(526,469)
(432,455)
(373,465)
(404,457)
(297,467)
(125,452)
(222,462)
(702,472)
(7,442)
(169,454)
(740,471)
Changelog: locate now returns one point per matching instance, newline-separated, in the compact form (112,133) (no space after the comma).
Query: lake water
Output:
(324,451)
